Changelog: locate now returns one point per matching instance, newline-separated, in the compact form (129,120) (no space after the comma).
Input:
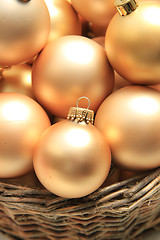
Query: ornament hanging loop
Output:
(81,114)
(89,103)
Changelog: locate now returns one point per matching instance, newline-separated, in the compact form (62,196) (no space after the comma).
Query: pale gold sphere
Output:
(130,122)
(64,20)
(132,44)
(24,30)
(22,121)
(71,159)
(68,68)
(17,79)
(97,12)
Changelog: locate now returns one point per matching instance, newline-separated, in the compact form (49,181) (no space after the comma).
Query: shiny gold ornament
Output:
(70,67)
(132,42)
(22,121)
(24,30)
(17,79)
(97,12)
(64,20)
(72,159)
(130,121)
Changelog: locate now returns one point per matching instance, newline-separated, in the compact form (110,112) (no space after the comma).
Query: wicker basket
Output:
(120,211)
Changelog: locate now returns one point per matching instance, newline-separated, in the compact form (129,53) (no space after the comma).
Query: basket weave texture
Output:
(120,211)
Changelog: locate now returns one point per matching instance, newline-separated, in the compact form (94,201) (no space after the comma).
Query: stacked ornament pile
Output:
(43,55)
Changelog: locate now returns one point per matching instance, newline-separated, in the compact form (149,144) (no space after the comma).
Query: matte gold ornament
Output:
(22,121)
(130,122)
(24,30)
(72,159)
(64,20)
(70,67)
(17,79)
(97,12)
(132,41)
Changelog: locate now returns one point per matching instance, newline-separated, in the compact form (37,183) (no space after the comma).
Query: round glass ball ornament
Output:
(72,159)
(132,41)
(68,68)
(22,121)
(129,119)
(24,30)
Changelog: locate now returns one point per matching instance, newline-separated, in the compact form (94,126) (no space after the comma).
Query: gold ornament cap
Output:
(81,114)
(126,7)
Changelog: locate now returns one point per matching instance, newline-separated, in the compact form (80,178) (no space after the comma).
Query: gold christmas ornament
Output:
(17,79)
(22,121)
(130,122)
(64,20)
(24,30)
(70,67)
(132,41)
(97,12)
(72,159)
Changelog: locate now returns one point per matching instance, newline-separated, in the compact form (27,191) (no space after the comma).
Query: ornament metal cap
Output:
(126,7)
(81,114)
